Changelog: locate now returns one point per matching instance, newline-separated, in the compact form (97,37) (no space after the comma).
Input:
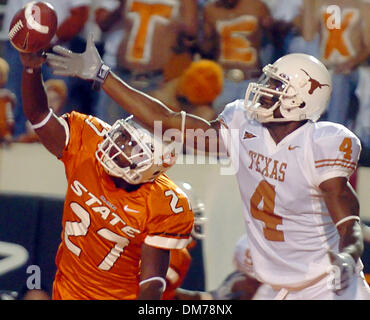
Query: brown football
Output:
(33,27)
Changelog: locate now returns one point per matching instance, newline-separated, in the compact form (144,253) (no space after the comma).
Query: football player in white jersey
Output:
(301,214)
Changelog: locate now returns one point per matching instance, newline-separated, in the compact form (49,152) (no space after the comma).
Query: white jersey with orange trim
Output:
(287,222)
(104,226)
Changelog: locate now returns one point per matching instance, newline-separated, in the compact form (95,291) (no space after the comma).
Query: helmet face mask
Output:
(287,87)
(127,152)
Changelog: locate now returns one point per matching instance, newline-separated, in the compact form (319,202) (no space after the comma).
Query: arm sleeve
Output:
(83,132)
(73,124)
(167,229)
(336,151)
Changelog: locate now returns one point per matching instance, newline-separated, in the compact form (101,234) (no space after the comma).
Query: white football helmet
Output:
(297,83)
(132,153)
(197,206)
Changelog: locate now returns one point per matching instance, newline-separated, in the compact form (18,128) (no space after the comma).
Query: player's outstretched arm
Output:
(150,111)
(343,207)
(146,109)
(35,105)
(154,265)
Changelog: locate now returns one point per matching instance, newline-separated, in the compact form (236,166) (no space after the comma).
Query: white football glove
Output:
(87,65)
(343,269)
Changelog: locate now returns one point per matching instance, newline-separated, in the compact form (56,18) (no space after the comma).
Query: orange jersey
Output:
(104,226)
(180,261)
(7,102)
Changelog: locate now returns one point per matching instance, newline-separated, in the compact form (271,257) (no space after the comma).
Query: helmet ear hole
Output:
(303,104)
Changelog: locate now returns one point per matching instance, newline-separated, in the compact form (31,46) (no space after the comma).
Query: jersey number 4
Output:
(265,193)
(346,147)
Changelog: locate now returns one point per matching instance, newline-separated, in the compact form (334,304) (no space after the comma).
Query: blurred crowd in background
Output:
(197,55)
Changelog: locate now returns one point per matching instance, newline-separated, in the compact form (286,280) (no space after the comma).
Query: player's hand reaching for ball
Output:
(87,65)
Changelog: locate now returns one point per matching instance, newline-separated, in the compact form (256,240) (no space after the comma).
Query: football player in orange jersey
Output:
(122,214)
(180,260)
